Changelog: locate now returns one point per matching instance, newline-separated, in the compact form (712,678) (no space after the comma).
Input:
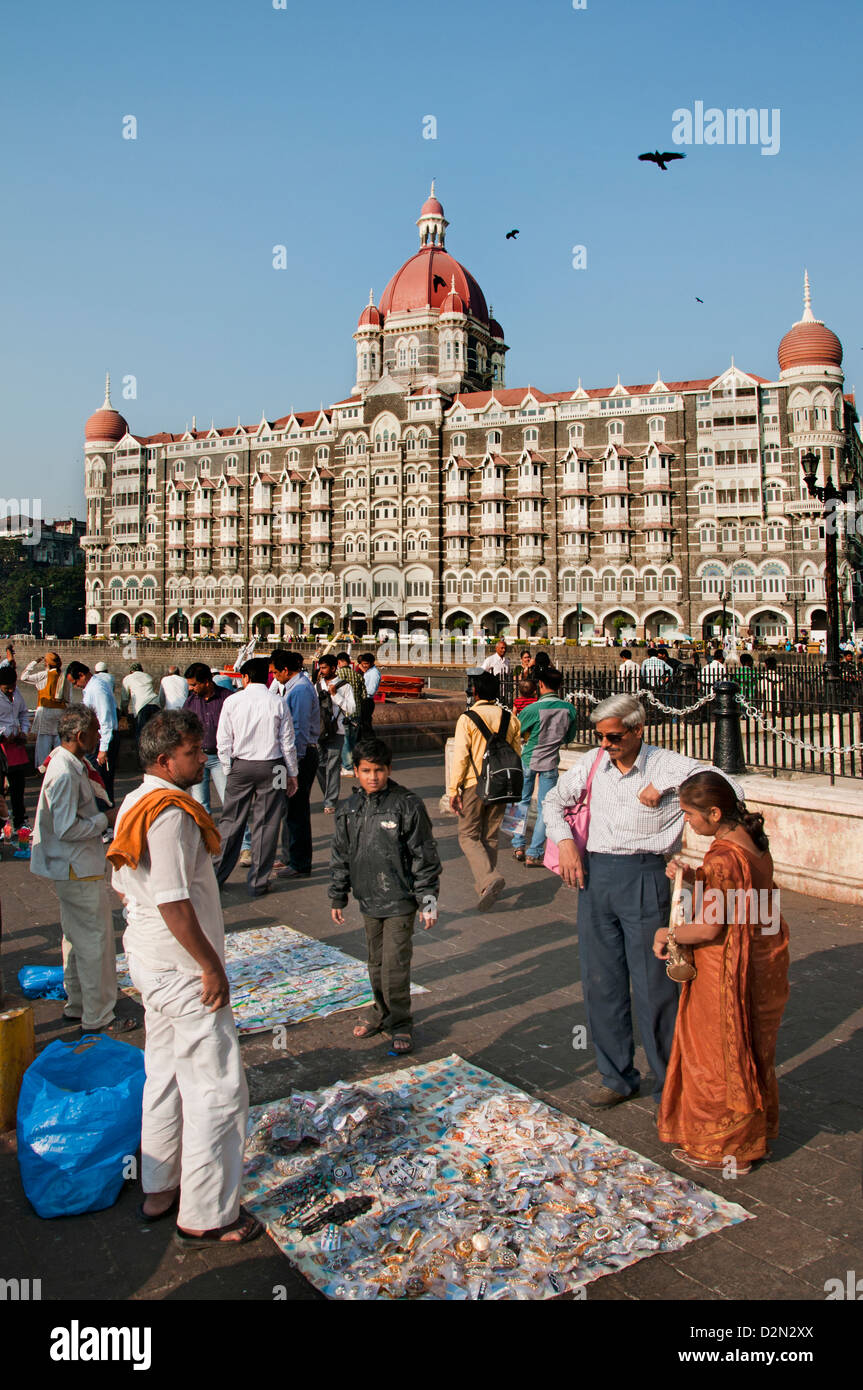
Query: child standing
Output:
(384,853)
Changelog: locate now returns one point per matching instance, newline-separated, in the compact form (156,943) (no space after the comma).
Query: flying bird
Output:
(698,301)
(439,283)
(513,233)
(660,159)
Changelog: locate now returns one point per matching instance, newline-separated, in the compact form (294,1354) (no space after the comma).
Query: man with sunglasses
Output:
(636,825)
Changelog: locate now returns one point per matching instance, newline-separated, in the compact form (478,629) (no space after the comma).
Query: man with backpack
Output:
(485,777)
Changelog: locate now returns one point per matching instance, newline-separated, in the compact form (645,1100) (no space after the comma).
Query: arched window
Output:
(712,580)
(615,431)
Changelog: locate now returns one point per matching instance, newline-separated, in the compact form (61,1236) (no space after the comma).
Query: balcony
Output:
(201,561)
(455,491)
(528,549)
(657,516)
(493,487)
(619,548)
(176,507)
(320,529)
(229,509)
(261,532)
(392,489)
(492,525)
(614,482)
(456,526)
(228,535)
(203,505)
(176,562)
(574,549)
(201,540)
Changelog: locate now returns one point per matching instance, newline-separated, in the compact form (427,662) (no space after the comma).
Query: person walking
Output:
(546,725)
(337,704)
(479,824)
(97,696)
(14,727)
(372,679)
(206,701)
(67,848)
(384,853)
(292,685)
(255,741)
(355,679)
(654,671)
(628,670)
(50,703)
(173,689)
(138,694)
(636,823)
(195,1096)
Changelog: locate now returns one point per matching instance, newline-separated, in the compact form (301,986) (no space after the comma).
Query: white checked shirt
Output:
(257,728)
(619,824)
(176,866)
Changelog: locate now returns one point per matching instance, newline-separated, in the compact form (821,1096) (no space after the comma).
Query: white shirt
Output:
(716,671)
(498,664)
(68,826)
(138,691)
(173,692)
(654,668)
(97,697)
(175,867)
(257,728)
(14,714)
(628,668)
(344,704)
(619,824)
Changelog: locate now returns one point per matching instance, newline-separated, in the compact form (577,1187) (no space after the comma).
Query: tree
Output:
(63,586)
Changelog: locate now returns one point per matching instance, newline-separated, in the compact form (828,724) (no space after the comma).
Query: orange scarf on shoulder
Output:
(129,844)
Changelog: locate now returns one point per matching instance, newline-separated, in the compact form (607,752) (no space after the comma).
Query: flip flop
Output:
(148,1220)
(249,1225)
(704,1166)
(366,1030)
(401,1051)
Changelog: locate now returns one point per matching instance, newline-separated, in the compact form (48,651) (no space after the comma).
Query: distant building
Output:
(436,495)
(57,542)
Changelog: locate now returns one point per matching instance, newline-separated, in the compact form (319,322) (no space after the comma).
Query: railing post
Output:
(727,743)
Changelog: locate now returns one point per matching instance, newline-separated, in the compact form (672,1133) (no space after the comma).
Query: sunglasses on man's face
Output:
(608,738)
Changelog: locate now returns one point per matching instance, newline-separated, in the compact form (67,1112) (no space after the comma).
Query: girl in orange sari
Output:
(720,1100)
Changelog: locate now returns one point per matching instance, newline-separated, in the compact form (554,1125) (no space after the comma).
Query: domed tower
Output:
(432,301)
(370,356)
(106,426)
(810,365)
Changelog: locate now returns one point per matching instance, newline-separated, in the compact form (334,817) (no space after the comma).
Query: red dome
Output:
(495,329)
(431,205)
(809,345)
(452,304)
(105,425)
(370,315)
(425,280)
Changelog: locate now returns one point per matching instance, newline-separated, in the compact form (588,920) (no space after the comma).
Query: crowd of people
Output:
(710,1044)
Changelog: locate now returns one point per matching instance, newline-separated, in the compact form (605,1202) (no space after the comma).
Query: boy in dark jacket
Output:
(384,853)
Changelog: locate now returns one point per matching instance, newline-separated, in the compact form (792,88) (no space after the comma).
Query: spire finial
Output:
(431,194)
(808,316)
(732,359)
(371,299)
(452,284)
(107,403)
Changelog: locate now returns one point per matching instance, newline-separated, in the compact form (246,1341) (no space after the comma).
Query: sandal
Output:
(519,855)
(248,1226)
(366,1030)
(534,863)
(705,1166)
(402,1044)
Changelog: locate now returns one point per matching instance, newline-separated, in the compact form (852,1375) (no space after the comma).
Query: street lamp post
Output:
(829,496)
(726,595)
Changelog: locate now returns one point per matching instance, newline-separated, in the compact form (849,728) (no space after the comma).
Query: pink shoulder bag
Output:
(577,818)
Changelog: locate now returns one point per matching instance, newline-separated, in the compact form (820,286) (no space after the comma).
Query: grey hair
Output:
(626,708)
(166,733)
(75,721)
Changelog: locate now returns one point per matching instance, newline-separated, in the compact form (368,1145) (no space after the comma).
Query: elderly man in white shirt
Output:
(636,825)
(173,689)
(195,1095)
(498,662)
(257,749)
(67,848)
(97,696)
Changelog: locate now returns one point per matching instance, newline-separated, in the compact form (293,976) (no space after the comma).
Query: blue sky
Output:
(303,127)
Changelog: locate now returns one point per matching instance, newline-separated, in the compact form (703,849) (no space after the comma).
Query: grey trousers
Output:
(390,947)
(626,899)
(256,789)
(330,768)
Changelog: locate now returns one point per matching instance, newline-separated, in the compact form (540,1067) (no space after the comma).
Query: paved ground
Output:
(504,992)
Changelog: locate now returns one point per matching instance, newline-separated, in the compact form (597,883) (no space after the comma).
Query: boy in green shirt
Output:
(545,725)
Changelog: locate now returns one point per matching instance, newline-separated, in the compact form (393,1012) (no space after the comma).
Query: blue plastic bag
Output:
(79,1120)
(41,981)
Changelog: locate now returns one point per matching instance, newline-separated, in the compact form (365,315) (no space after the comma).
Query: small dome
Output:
(809,343)
(453,304)
(371,315)
(105,424)
(431,205)
(495,329)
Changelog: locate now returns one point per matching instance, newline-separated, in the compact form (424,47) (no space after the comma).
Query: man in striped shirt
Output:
(636,825)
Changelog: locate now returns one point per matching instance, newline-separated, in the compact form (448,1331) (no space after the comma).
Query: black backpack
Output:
(501,777)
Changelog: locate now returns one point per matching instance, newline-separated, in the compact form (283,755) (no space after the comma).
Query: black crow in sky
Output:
(513,233)
(698,301)
(660,159)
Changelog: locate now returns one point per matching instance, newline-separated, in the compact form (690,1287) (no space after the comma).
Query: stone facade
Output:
(437,497)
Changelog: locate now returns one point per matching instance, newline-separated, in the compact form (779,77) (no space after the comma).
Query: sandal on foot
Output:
(533,863)
(366,1030)
(519,855)
(707,1167)
(407,1045)
(248,1226)
(148,1220)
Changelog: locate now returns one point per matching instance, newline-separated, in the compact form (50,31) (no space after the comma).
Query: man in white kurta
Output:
(67,848)
(195,1096)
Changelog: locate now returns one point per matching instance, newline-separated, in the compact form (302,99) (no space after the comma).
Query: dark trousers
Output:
(626,899)
(108,773)
(297,826)
(330,768)
(255,789)
(390,947)
(15,777)
(366,715)
(143,717)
